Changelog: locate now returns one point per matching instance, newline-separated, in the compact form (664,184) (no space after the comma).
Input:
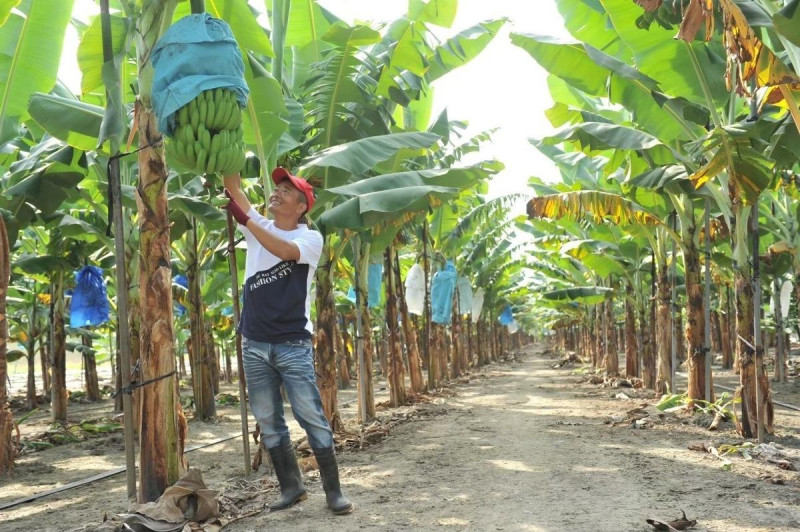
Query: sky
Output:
(502,88)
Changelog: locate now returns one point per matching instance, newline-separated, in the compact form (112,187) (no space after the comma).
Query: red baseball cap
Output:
(281,174)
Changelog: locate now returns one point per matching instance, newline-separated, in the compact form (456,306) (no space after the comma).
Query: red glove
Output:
(236,211)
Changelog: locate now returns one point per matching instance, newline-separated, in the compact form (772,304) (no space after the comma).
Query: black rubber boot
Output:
(329,472)
(289,477)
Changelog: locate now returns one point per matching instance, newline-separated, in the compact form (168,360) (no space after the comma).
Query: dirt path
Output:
(520,447)
(524,448)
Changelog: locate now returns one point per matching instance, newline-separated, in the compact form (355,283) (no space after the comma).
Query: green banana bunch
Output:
(208,136)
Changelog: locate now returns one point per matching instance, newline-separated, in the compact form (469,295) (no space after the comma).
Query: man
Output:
(282,255)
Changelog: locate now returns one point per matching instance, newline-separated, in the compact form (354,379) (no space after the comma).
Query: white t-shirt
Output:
(277,293)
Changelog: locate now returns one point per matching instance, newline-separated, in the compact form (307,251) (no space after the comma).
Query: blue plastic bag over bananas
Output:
(195,54)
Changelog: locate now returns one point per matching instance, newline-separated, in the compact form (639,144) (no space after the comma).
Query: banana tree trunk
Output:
(598,337)
(324,352)
(366,394)
(469,348)
(780,359)
(680,353)
(716,332)
(7,449)
(347,351)
(204,405)
(134,323)
(748,362)
(444,352)
(455,344)
(426,335)
(43,358)
(161,436)
(414,361)
(663,331)
(612,352)
(214,356)
(90,370)
(58,360)
(631,343)
(381,340)
(725,329)
(463,348)
(695,325)
(396,376)
(479,336)
(30,395)
(226,352)
(756,400)
(343,372)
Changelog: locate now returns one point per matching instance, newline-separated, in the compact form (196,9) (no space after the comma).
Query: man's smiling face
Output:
(285,200)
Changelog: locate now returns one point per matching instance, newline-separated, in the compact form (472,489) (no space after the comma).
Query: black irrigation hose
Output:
(784,405)
(728,389)
(95,478)
(117,471)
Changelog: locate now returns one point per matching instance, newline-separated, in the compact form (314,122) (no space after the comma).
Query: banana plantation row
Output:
(679,162)
(681,127)
(349,107)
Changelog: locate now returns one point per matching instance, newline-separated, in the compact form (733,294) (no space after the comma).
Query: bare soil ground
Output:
(514,446)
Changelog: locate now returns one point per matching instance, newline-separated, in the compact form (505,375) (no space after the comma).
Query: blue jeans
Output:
(266,366)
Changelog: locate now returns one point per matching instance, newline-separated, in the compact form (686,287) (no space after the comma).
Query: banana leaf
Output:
(462,48)
(787,22)
(90,50)
(250,35)
(367,210)
(67,119)
(359,156)
(588,295)
(30,52)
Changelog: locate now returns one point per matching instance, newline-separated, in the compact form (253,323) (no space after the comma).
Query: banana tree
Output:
(7,448)
(195,251)
(161,447)
(383,204)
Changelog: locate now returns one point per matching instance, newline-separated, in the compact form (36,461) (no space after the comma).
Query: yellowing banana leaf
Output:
(757,61)
(698,13)
(599,205)
(751,172)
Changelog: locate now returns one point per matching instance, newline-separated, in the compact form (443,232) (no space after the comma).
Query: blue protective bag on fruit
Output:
(195,54)
(443,285)
(89,304)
